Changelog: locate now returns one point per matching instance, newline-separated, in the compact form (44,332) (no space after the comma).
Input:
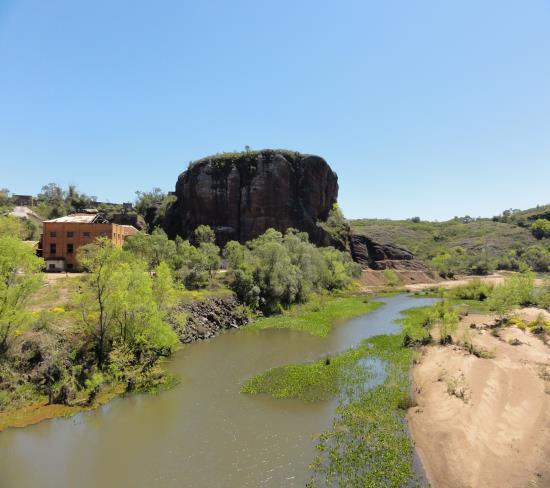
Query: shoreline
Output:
(484,421)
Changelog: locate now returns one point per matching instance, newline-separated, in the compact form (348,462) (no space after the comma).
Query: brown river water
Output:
(202,433)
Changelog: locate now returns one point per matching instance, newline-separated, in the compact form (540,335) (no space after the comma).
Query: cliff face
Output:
(241,196)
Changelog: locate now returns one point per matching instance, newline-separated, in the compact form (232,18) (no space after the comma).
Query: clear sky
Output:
(431,108)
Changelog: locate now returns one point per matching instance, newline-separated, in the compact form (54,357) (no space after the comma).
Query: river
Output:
(202,433)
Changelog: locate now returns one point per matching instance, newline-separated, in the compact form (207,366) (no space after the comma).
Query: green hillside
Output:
(466,245)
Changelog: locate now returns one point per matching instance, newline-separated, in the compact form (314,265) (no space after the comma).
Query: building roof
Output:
(78,218)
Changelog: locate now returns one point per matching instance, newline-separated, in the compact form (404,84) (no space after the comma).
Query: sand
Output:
(484,422)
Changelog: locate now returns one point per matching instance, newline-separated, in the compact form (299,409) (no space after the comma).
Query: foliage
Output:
(368,445)
(55,202)
(515,291)
(275,271)
(117,304)
(19,278)
(457,246)
(204,234)
(318,315)
(541,228)
(336,225)
(473,290)
(153,249)
(391,277)
(144,199)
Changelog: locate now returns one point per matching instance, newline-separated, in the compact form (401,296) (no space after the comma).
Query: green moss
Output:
(319,315)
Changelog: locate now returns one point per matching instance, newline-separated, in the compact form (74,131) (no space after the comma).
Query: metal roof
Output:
(82,218)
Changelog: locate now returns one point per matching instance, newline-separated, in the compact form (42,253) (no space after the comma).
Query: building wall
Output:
(77,234)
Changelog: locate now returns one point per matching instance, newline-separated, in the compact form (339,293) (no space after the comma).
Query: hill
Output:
(466,245)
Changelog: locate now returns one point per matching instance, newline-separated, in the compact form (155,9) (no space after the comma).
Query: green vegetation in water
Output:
(320,380)
(368,445)
(319,315)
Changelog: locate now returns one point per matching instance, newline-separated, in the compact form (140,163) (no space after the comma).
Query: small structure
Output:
(62,237)
(23,200)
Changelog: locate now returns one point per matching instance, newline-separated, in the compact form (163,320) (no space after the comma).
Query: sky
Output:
(424,108)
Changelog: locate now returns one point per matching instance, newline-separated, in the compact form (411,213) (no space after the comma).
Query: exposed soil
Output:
(484,422)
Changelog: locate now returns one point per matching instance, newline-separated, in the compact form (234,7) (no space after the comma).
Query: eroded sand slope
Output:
(484,422)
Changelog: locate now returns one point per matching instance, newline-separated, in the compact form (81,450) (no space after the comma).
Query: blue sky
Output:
(430,108)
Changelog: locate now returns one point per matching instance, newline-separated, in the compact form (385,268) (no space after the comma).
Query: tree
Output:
(153,249)
(4,197)
(19,278)
(541,228)
(336,224)
(204,234)
(98,301)
(119,307)
(10,227)
(164,290)
(144,199)
(211,257)
(274,271)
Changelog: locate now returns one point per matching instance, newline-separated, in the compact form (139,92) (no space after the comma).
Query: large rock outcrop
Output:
(242,195)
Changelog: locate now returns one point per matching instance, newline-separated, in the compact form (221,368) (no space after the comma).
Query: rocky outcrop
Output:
(206,318)
(373,255)
(242,195)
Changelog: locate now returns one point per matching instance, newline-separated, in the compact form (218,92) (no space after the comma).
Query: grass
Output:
(319,315)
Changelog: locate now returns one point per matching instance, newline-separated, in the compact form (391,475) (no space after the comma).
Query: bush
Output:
(277,270)
(474,290)
(541,228)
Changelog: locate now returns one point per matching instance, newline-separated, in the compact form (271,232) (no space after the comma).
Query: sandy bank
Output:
(484,422)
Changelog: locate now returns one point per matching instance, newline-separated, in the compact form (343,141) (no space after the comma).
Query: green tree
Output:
(204,234)
(144,199)
(541,228)
(118,304)
(164,290)
(19,278)
(10,226)
(153,249)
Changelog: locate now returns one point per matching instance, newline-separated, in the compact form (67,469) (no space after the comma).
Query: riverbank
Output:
(483,418)
(199,317)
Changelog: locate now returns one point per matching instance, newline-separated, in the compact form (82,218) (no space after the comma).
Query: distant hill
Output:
(466,245)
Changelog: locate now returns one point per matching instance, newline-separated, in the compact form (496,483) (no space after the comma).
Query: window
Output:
(53,248)
(70,234)
(86,234)
(70,266)
(53,234)
(70,248)
(51,266)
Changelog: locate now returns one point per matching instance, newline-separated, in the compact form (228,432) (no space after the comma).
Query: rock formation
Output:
(242,195)
(370,254)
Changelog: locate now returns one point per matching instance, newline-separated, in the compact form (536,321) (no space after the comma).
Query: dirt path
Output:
(484,422)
